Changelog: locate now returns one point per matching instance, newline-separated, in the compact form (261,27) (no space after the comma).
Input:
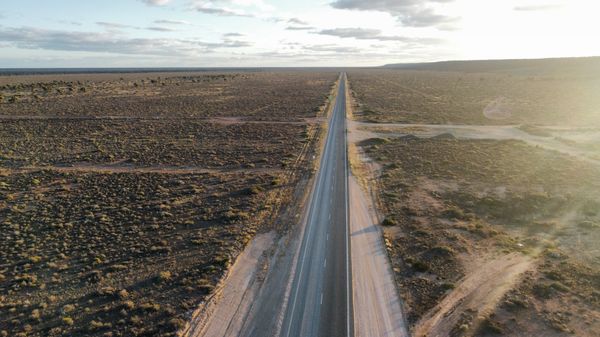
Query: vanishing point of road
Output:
(320,302)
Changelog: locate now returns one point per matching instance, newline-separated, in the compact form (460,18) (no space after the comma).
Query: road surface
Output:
(301,284)
(320,302)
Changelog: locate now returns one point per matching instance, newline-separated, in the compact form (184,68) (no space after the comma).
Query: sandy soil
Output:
(477,294)
(377,304)
(377,307)
(234,296)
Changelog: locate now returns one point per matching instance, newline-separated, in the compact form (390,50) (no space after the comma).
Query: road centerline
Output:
(320,293)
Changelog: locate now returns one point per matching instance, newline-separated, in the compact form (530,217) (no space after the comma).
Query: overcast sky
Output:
(212,33)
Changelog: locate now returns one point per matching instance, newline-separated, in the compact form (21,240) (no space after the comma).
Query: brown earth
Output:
(486,237)
(443,97)
(122,226)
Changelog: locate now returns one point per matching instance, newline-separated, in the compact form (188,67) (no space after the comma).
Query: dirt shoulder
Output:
(234,294)
(377,306)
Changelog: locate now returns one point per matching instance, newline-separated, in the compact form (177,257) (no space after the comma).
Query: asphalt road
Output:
(320,302)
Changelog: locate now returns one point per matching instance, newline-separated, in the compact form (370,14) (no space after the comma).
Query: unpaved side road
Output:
(479,293)
(377,307)
(560,139)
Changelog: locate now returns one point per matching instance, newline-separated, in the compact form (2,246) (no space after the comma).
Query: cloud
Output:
(331,48)
(299,28)
(538,7)
(297,21)
(370,34)
(161,29)
(412,13)
(235,44)
(113,25)
(108,42)
(233,35)
(232,7)
(171,22)
(34,38)
(66,22)
(156,2)
(330,53)
(221,11)
(224,44)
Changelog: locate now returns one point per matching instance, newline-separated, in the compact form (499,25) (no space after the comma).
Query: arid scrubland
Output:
(444,97)
(125,197)
(487,237)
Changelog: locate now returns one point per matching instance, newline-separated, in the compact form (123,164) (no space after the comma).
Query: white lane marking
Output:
(314,200)
(325,263)
(321,298)
(347,223)
(329,216)
(327,236)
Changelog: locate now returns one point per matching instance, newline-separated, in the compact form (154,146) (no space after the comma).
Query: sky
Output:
(263,33)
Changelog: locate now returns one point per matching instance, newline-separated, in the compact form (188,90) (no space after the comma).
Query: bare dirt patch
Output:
(579,142)
(477,295)
(375,296)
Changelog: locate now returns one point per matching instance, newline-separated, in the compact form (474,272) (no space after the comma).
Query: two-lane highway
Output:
(320,302)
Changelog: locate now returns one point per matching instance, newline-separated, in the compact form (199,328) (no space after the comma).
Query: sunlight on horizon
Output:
(231,33)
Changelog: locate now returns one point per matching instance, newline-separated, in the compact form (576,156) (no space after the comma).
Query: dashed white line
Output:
(314,200)
(325,263)
(348,276)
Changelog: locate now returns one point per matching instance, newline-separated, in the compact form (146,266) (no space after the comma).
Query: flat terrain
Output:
(295,284)
(492,228)
(447,97)
(284,96)
(125,197)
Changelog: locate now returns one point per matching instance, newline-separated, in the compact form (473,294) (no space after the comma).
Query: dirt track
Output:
(571,141)
(480,291)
